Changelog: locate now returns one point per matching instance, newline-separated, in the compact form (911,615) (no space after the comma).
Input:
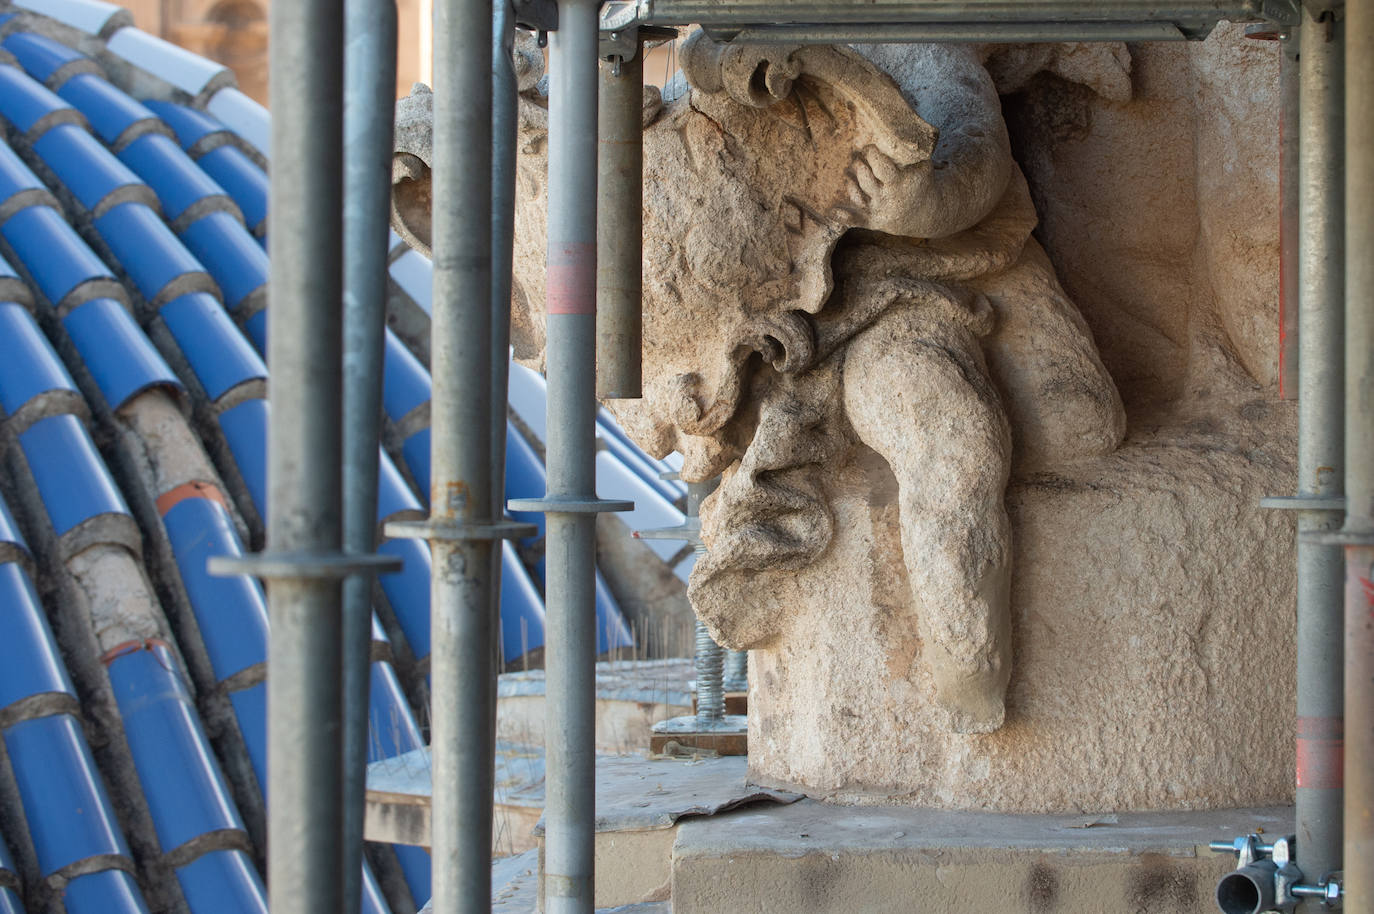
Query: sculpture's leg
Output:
(917,392)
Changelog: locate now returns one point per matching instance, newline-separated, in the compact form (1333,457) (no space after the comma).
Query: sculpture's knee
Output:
(1060,399)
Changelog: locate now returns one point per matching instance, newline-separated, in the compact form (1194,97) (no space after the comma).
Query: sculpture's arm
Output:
(967,174)
(916,392)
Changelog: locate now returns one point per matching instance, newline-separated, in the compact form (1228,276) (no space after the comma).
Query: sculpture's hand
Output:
(887,190)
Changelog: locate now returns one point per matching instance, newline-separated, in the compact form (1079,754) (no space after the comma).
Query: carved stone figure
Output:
(847,317)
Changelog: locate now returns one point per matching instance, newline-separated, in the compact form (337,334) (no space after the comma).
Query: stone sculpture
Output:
(847,317)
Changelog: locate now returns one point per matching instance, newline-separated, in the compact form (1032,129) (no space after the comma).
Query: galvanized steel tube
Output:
(304,713)
(504,119)
(1359,455)
(369,105)
(570,542)
(1321,457)
(462,666)
(504,122)
(619,230)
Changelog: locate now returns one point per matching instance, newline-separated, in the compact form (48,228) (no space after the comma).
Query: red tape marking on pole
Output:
(1321,752)
(570,286)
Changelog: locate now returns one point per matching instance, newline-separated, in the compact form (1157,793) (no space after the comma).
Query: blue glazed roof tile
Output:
(170,172)
(118,355)
(52,762)
(107,892)
(29,661)
(245,117)
(222,881)
(231,612)
(393,495)
(250,709)
(9,531)
(405,382)
(146,248)
(15,176)
(25,103)
(71,478)
(218,353)
(177,66)
(109,111)
(30,367)
(256,328)
(51,251)
(189,124)
(234,259)
(243,179)
(41,56)
(93,17)
(187,795)
(245,431)
(85,168)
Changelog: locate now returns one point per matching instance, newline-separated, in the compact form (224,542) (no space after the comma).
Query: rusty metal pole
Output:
(619,228)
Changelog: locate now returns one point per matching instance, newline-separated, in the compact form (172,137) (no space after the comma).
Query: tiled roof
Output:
(133,270)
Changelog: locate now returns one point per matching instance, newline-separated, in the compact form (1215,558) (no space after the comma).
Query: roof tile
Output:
(118,355)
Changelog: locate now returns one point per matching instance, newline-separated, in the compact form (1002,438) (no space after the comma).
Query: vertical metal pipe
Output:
(1321,568)
(571,335)
(462,670)
(1289,204)
(304,719)
(619,230)
(504,114)
(1359,455)
(369,105)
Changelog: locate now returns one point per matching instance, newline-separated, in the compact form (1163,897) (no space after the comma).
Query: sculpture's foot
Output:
(974,698)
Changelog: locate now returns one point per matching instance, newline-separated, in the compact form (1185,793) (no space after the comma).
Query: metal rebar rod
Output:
(619,230)
(369,103)
(571,333)
(1359,451)
(304,472)
(1321,457)
(1289,126)
(463,674)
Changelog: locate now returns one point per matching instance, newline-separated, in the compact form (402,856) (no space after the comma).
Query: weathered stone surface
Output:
(847,316)
(1152,641)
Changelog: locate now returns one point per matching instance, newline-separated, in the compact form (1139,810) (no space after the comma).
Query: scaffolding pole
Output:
(1358,531)
(570,502)
(369,105)
(305,564)
(1321,461)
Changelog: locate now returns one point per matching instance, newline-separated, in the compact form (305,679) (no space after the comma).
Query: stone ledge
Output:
(814,857)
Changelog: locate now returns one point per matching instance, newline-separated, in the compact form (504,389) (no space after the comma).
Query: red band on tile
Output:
(570,286)
(131,647)
(173,497)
